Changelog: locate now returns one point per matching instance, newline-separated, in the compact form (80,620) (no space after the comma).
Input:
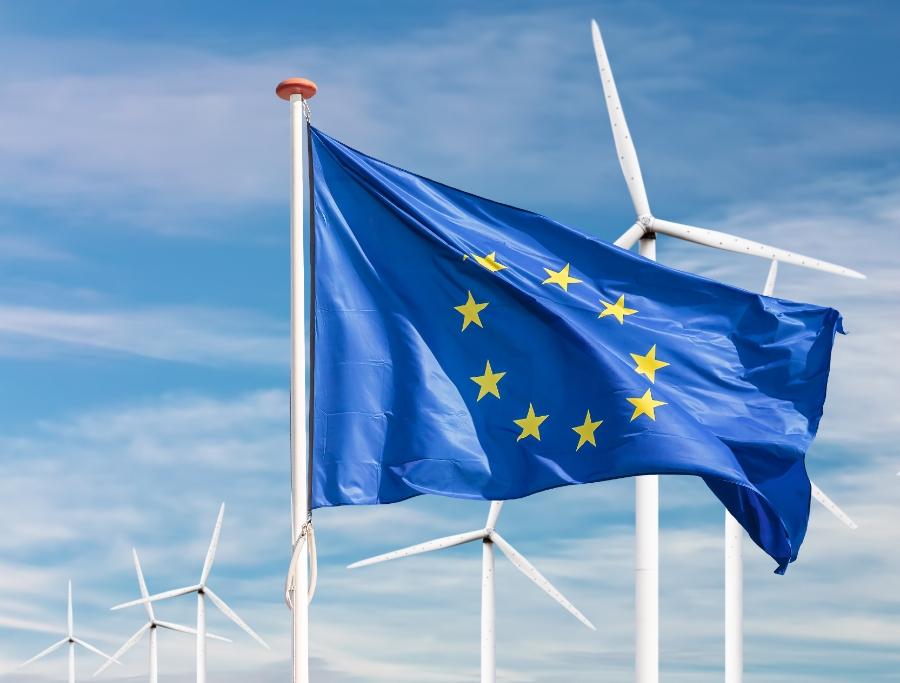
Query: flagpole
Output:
(297,91)
(646,567)
(734,568)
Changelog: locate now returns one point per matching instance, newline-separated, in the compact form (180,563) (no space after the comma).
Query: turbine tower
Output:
(203,591)
(489,538)
(644,233)
(152,626)
(72,641)
(734,560)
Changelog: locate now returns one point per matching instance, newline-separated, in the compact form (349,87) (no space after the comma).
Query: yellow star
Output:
(531,424)
(617,309)
(470,311)
(488,382)
(586,431)
(561,278)
(489,262)
(648,365)
(645,405)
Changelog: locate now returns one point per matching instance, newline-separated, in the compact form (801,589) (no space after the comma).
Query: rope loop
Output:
(307,535)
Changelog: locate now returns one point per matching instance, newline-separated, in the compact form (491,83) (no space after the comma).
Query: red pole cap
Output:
(296,86)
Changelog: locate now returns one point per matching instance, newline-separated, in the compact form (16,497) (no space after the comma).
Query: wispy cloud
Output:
(17,248)
(182,333)
(188,155)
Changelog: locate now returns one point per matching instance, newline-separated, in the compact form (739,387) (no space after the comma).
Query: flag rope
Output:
(307,535)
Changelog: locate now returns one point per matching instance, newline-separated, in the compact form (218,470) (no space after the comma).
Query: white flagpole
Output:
(646,566)
(734,569)
(296,91)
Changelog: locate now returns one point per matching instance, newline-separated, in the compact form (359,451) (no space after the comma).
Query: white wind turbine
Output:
(152,626)
(734,560)
(72,641)
(203,591)
(489,538)
(647,487)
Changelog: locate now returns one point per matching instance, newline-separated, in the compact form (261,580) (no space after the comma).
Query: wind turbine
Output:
(203,591)
(734,560)
(152,625)
(489,538)
(72,641)
(644,233)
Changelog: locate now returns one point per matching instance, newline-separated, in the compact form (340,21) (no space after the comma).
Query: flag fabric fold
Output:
(468,348)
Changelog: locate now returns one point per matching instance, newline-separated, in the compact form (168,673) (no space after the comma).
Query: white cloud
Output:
(185,152)
(182,333)
(18,248)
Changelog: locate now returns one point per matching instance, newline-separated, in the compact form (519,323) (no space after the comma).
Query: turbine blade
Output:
(70,620)
(142,585)
(230,613)
(628,159)
(769,289)
(88,646)
(213,636)
(187,629)
(213,544)
(739,245)
(494,514)
(829,504)
(532,573)
(52,648)
(630,237)
(130,643)
(428,546)
(159,596)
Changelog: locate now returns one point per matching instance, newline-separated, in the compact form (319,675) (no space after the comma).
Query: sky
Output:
(144,291)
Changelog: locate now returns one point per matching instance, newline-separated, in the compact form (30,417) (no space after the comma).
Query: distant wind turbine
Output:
(489,538)
(72,641)
(152,625)
(203,591)
(644,232)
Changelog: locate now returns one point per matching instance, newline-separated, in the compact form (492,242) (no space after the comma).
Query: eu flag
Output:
(468,348)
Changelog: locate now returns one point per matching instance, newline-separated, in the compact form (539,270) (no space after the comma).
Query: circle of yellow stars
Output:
(488,382)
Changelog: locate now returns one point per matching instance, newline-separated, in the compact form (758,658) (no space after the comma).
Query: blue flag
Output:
(467,348)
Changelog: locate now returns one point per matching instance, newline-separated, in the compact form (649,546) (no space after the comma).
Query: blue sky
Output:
(143,316)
